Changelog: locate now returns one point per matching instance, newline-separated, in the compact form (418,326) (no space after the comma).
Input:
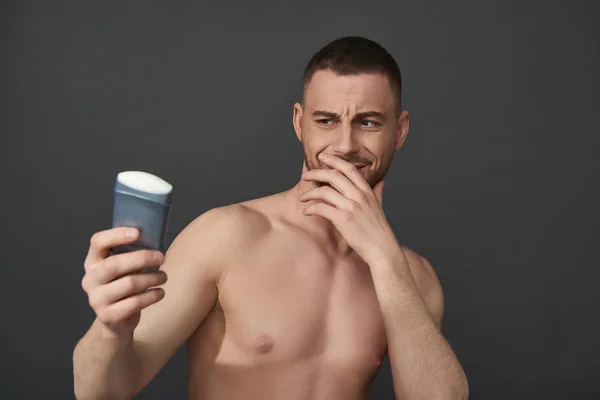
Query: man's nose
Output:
(346,140)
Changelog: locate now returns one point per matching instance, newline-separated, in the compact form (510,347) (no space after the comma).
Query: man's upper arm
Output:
(434,295)
(428,284)
(192,263)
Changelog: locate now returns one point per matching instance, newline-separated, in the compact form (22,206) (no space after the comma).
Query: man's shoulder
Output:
(232,226)
(232,222)
(419,265)
(215,239)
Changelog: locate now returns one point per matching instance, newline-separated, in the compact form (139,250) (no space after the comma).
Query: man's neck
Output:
(317,225)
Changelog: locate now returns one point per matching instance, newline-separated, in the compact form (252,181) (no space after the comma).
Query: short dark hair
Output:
(353,55)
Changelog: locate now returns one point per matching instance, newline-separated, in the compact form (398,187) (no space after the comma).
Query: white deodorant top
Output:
(145,182)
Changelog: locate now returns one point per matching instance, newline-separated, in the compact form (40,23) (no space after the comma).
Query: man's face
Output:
(354,117)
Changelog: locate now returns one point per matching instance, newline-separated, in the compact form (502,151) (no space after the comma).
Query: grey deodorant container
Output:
(142,201)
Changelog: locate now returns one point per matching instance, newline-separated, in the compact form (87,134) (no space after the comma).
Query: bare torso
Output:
(293,319)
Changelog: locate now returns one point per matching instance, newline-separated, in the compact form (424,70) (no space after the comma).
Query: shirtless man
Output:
(298,295)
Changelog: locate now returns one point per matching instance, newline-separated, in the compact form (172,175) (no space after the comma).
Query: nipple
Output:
(263,343)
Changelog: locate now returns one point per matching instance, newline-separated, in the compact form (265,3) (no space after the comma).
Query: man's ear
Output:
(402,129)
(297,120)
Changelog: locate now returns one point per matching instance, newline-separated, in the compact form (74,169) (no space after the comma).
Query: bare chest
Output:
(295,305)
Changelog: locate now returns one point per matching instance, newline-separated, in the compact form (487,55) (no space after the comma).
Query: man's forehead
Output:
(365,91)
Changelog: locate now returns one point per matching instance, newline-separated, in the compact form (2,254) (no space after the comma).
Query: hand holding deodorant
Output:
(142,201)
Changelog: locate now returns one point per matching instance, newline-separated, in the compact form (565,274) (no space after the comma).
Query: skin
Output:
(298,295)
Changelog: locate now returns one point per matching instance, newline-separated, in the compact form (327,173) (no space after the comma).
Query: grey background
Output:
(496,184)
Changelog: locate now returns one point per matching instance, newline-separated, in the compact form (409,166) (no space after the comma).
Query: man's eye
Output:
(325,121)
(369,124)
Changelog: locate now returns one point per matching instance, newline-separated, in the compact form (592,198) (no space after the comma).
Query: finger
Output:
(336,179)
(328,195)
(378,190)
(347,168)
(102,241)
(124,264)
(127,307)
(324,210)
(125,287)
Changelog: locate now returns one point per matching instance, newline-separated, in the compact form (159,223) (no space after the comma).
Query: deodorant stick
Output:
(142,201)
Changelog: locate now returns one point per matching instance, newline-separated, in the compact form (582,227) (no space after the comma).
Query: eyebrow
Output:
(361,115)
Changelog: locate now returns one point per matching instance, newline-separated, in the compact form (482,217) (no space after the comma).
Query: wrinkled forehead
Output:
(331,92)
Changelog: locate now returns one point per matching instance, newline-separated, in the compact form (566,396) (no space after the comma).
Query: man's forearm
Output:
(104,366)
(423,363)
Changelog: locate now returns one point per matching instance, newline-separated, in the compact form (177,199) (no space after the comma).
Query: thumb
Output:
(378,190)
